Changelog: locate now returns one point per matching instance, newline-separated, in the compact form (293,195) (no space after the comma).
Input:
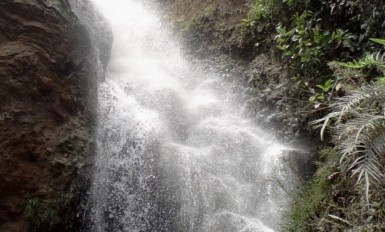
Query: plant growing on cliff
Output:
(309,200)
(310,34)
(53,214)
(357,122)
(40,216)
(306,45)
(347,189)
(359,134)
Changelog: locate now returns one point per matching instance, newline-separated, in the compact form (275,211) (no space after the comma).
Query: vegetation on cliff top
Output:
(340,71)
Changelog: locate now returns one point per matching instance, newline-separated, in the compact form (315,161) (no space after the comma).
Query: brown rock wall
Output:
(47,103)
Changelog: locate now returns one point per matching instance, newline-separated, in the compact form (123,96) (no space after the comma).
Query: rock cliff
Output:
(215,30)
(49,67)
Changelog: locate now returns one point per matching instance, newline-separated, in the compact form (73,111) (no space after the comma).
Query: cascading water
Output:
(175,152)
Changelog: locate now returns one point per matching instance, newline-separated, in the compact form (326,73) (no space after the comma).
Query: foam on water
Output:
(175,152)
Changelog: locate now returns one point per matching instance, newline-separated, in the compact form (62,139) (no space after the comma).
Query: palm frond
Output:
(358,126)
(325,121)
(367,122)
(368,163)
(379,41)
(375,59)
(349,104)
(352,102)
(357,123)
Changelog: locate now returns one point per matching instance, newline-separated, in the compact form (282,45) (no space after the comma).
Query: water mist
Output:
(175,151)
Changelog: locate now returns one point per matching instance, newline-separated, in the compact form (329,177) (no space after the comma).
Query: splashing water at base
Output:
(175,152)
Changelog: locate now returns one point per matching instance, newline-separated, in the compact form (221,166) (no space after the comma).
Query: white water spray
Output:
(175,152)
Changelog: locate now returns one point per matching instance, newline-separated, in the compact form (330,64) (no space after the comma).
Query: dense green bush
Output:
(311,33)
(364,18)
(309,200)
(307,46)
(347,190)
(358,123)
(40,216)
(330,202)
(50,215)
(318,39)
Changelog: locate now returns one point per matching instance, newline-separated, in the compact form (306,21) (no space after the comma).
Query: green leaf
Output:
(328,84)
(379,41)
(326,87)
(320,87)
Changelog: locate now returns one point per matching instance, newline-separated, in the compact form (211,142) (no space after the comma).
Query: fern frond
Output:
(369,161)
(360,138)
(352,102)
(346,148)
(375,59)
(367,122)
(325,121)
(380,58)
(358,124)
(379,41)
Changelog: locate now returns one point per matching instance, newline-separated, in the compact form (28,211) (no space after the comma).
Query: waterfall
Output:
(175,149)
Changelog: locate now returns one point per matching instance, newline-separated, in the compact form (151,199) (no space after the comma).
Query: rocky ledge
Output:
(49,66)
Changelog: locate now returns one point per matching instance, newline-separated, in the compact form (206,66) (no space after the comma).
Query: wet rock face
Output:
(213,30)
(47,100)
(208,27)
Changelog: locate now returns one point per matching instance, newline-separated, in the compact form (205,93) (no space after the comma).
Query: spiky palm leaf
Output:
(358,123)
(351,105)
(363,151)
(359,100)
(375,59)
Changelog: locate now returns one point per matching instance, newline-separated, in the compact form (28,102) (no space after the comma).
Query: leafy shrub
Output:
(364,18)
(263,9)
(359,128)
(51,215)
(40,216)
(307,46)
(347,191)
(358,123)
(309,199)
(311,33)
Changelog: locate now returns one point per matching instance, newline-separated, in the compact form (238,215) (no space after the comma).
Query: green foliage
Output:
(305,44)
(326,87)
(263,9)
(307,201)
(311,33)
(346,193)
(330,202)
(357,121)
(324,92)
(376,60)
(369,17)
(364,18)
(358,124)
(209,11)
(40,216)
(53,214)
(307,47)
(379,41)
(381,82)
(271,10)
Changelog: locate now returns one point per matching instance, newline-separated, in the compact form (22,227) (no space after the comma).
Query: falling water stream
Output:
(175,151)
